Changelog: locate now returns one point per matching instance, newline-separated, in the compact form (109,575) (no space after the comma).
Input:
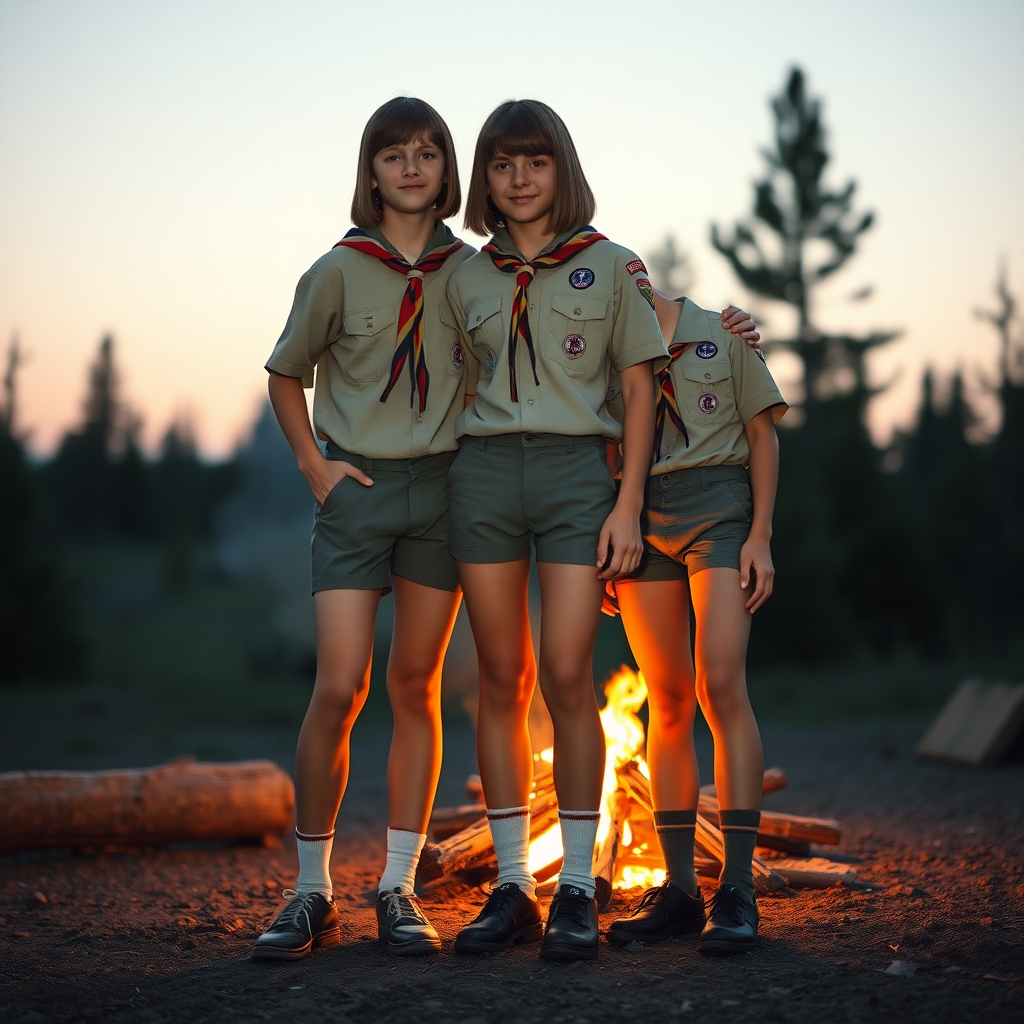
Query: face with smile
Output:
(409,177)
(522,187)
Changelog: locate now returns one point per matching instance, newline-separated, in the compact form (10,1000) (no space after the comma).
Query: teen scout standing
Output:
(371,318)
(547,310)
(707,529)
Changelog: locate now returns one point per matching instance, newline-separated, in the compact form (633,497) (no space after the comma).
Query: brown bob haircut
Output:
(529,128)
(398,122)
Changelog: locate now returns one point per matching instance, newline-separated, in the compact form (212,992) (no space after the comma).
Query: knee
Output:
(567,691)
(722,692)
(507,690)
(672,710)
(413,691)
(339,701)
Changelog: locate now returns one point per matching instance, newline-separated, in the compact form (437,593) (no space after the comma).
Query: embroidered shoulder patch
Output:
(636,267)
(646,290)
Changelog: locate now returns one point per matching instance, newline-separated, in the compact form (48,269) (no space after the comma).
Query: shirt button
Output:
(478,318)
(532,307)
(577,311)
(419,419)
(529,401)
(707,376)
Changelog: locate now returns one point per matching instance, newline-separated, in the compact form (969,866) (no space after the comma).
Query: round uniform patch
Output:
(574,345)
(708,402)
(458,356)
(707,350)
(582,277)
(492,359)
(646,290)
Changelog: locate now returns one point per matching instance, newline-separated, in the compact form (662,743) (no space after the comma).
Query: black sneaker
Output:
(308,921)
(662,912)
(509,916)
(571,932)
(403,926)
(732,923)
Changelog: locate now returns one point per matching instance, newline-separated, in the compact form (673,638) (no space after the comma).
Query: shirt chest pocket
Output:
(451,353)
(707,391)
(484,327)
(577,333)
(368,343)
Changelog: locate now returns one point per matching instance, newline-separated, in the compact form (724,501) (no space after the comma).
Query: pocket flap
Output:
(364,322)
(710,372)
(447,316)
(480,312)
(579,307)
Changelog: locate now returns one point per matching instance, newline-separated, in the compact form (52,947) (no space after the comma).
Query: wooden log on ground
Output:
(774,780)
(827,831)
(184,800)
(814,872)
(708,838)
(604,862)
(977,725)
(473,847)
(446,821)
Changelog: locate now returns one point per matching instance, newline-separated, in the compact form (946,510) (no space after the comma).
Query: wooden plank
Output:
(814,872)
(977,725)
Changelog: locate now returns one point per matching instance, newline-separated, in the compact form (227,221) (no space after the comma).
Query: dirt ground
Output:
(164,935)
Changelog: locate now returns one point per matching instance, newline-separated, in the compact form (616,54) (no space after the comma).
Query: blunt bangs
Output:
(397,123)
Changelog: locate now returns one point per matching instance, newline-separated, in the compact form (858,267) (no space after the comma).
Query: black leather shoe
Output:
(662,912)
(732,923)
(308,921)
(571,932)
(403,926)
(509,916)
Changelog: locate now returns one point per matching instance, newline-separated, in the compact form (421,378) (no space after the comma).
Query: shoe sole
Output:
(724,947)
(531,933)
(564,953)
(686,928)
(419,948)
(325,940)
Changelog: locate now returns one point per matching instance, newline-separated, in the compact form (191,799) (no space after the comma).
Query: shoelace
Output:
(575,908)
(402,906)
(650,896)
(501,896)
(298,905)
(728,903)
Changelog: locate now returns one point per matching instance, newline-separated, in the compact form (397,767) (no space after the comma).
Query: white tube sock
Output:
(510,832)
(579,833)
(314,863)
(404,850)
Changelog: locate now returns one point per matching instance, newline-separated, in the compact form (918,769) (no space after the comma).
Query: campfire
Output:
(627,854)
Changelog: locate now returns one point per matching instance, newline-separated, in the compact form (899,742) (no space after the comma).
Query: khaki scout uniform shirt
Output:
(583,325)
(720,383)
(344,323)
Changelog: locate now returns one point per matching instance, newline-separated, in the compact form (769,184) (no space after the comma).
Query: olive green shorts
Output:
(504,491)
(399,526)
(693,519)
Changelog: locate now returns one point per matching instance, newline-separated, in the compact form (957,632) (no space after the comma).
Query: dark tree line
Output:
(918,548)
(97,488)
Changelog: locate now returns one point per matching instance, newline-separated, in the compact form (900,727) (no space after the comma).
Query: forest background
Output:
(174,589)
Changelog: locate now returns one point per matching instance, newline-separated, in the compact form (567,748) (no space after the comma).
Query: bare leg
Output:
(497,603)
(723,628)
(656,617)
(344,650)
(424,619)
(570,611)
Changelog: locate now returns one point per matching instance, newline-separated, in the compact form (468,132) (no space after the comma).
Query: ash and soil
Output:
(164,935)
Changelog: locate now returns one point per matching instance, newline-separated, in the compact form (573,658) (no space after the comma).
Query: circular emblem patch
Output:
(706,350)
(583,277)
(492,359)
(646,290)
(708,402)
(458,356)
(574,346)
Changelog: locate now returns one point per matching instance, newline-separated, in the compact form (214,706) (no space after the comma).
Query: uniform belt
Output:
(420,462)
(699,476)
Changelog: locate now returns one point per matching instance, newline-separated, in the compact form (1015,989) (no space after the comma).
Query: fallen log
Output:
(827,831)
(707,839)
(774,780)
(183,800)
(446,821)
(814,873)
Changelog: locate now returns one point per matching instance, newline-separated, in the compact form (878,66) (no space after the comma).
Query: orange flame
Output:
(625,694)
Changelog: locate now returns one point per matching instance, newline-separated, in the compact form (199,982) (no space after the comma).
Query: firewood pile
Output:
(627,852)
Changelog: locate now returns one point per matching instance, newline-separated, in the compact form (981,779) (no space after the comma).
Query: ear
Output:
(373,182)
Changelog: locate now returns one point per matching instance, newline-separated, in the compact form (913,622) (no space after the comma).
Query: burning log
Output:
(183,800)
(604,863)
(472,846)
(708,838)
